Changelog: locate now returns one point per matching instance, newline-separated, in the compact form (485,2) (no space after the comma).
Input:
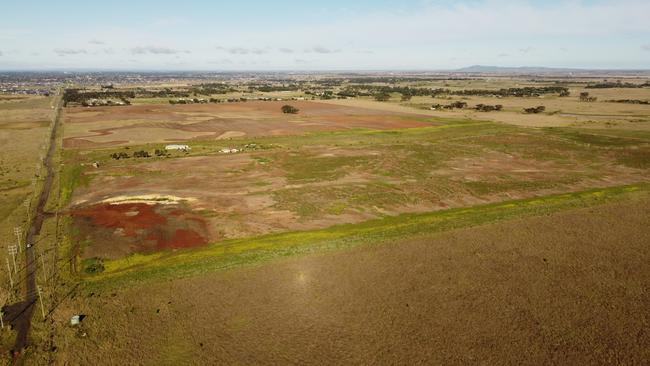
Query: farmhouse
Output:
(177,147)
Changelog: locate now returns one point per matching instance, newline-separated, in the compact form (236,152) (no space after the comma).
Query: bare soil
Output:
(113,126)
(116,230)
(569,288)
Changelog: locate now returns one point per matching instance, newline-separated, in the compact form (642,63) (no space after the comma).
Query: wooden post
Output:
(40,297)
(13,250)
(43,263)
(11,280)
(18,231)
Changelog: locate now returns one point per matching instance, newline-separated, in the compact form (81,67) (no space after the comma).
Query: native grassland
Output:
(24,131)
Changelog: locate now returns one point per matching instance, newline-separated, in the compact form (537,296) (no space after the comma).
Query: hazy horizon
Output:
(298,36)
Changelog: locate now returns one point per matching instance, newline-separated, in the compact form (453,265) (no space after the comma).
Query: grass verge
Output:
(229,253)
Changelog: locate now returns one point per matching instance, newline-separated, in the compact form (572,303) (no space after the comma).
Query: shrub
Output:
(535,110)
(289,109)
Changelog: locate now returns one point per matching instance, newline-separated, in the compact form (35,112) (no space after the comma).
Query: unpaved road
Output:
(19,314)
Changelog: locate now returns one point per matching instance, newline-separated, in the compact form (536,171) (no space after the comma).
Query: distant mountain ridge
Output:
(483,69)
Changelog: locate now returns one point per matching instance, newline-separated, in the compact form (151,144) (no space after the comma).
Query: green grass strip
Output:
(182,263)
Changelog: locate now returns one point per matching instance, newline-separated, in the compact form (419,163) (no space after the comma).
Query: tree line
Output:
(616,84)
(504,92)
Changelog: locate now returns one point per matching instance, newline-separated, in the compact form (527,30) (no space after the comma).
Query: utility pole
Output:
(28,206)
(18,231)
(40,297)
(13,251)
(11,279)
(43,263)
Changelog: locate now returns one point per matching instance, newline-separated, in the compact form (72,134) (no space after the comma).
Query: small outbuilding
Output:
(177,147)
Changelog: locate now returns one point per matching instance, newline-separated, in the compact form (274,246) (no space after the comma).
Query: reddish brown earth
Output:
(111,126)
(115,230)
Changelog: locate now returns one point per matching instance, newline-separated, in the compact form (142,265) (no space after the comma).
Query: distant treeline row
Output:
(617,84)
(630,101)
(509,92)
(82,96)
(211,88)
(384,79)
(266,88)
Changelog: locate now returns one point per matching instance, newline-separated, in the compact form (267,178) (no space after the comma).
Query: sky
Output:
(323,35)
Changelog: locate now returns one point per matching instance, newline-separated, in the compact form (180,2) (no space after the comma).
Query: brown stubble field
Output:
(569,288)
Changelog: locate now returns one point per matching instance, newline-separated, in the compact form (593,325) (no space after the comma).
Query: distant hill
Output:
(534,70)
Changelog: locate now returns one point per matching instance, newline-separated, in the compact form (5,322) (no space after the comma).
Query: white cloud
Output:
(156,50)
(434,34)
(320,49)
(70,51)
(243,50)
(223,61)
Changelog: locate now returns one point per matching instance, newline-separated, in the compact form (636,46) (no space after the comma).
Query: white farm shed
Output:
(177,147)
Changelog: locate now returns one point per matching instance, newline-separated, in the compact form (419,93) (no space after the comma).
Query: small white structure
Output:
(75,320)
(177,147)
(228,151)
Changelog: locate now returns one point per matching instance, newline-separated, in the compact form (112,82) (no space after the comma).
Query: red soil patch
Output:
(130,217)
(116,230)
(182,239)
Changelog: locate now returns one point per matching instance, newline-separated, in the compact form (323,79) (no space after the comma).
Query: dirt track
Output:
(569,288)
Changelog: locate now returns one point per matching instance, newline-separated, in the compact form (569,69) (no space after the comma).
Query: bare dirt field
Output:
(569,288)
(112,126)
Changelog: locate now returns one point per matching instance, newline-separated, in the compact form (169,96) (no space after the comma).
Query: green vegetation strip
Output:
(229,253)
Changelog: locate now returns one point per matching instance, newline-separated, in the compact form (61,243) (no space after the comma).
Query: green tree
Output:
(289,109)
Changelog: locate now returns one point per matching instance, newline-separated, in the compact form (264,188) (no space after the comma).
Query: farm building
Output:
(228,151)
(177,147)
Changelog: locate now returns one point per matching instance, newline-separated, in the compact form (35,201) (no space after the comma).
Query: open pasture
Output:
(290,183)
(460,201)
(24,132)
(560,111)
(138,124)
